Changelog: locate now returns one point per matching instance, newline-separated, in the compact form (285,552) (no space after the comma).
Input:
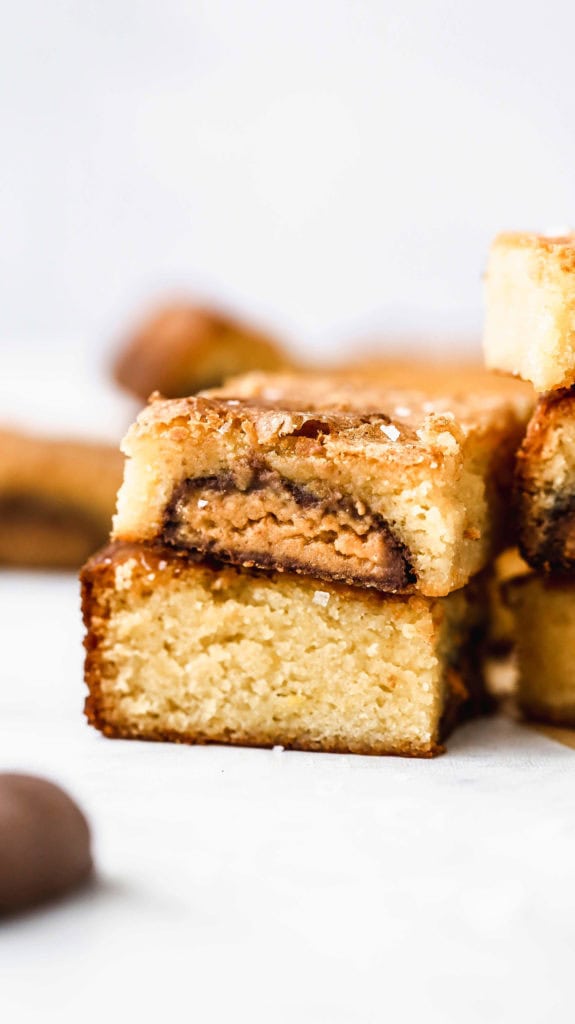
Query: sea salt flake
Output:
(390,431)
(321,597)
(202,503)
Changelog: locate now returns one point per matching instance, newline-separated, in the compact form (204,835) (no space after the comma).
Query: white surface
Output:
(327,165)
(264,886)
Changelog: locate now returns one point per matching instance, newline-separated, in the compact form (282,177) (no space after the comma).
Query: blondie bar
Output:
(194,652)
(184,348)
(544,613)
(530,308)
(57,498)
(346,481)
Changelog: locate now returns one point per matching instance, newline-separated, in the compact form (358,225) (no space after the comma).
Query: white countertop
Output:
(269,886)
(251,885)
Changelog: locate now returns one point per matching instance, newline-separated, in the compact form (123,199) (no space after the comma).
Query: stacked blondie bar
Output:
(299,560)
(530,331)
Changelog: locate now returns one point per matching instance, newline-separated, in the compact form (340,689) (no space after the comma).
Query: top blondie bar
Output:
(530,308)
(402,490)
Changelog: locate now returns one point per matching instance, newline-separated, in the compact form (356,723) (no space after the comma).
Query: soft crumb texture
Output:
(544,612)
(545,485)
(184,651)
(56,499)
(184,348)
(395,489)
(530,308)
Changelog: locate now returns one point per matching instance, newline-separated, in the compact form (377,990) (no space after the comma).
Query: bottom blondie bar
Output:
(544,611)
(193,652)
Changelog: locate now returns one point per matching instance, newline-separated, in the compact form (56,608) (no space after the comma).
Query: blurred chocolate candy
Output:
(44,842)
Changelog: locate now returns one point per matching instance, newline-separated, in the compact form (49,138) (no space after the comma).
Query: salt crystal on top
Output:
(321,597)
(390,431)
(202,503)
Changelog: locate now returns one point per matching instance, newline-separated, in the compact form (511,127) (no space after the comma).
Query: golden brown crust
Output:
(183,348)
(413,398)
(251,739)
(57,498)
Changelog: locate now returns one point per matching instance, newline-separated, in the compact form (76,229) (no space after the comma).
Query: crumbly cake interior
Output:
(544,612)
(530,308)
(189,652)
(390,489)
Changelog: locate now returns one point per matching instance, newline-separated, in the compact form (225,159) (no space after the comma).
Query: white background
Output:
(332,167)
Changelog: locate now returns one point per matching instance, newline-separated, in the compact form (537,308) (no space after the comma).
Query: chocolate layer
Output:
(258,518)
(550,544)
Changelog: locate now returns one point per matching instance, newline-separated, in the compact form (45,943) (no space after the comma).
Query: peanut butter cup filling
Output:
(264,520)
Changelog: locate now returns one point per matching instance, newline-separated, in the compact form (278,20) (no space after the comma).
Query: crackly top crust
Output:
(406,427)
(467,395)
(185,347)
